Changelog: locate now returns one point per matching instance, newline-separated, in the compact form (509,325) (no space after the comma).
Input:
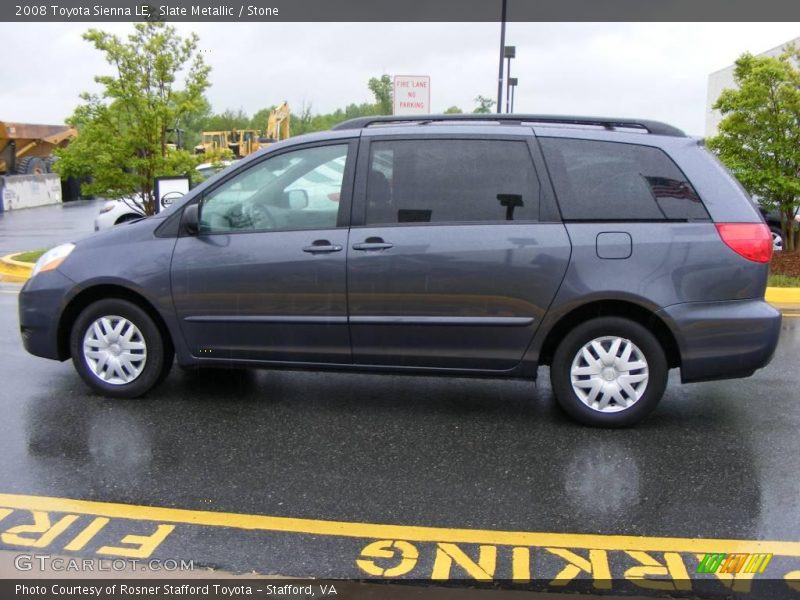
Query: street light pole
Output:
(502,48)
(512,84)
(508,86)
(509,52)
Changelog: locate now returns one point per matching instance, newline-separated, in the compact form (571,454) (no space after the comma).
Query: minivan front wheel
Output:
(609,372)
(117,349)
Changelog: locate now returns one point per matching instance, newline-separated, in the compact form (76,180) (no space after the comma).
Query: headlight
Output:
(108,206)
(52,258)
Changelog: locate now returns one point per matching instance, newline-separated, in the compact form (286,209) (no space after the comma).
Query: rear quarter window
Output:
(611,181)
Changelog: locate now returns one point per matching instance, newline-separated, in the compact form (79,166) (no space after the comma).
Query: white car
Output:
(131,208)
(119,211)
(322,185)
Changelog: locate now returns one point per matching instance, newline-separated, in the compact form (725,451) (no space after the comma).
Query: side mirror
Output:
(190,220)
(297,199)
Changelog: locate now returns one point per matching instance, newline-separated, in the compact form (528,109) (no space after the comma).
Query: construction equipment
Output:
(241,142)
(212,140)
(175,139)
(278,125)
(27,148)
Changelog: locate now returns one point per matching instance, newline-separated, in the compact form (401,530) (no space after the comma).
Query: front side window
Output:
(610,181)
(451,181)
(292,191)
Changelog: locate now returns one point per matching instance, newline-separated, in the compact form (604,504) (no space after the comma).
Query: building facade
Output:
(719,80)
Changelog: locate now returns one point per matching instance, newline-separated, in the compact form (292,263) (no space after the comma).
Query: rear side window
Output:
(451,181)
(609,181)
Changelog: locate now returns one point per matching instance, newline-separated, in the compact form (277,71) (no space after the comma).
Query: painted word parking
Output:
(77,529)
(576,567)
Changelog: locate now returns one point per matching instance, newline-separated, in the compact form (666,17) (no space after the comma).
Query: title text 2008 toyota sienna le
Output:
(612,250)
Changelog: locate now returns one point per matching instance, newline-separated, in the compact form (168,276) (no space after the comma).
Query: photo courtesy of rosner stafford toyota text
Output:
(370,299)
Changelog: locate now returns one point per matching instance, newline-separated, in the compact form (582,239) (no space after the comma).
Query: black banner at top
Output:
(399,10)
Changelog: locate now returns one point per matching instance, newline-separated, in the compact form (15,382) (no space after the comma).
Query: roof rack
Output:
(654,127)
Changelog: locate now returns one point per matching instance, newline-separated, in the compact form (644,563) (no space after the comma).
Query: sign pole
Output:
(502,47)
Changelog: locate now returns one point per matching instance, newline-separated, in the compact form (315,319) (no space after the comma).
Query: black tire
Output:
(613,327)
(169,359)
(22,165)
(152,369)
(31,165)
(49,162)
(128,218)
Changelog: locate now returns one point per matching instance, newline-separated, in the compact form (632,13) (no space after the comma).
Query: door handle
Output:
(322,247)
(373,243)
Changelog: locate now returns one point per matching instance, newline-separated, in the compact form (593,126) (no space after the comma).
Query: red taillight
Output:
(751,240)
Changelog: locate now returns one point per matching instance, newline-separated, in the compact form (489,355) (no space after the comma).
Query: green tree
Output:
(381,88)
(227,120)
(193,123)
(351,111)
(484,105)
(157,85)
(260,118)
(303,122)
(453,110)
(759,136)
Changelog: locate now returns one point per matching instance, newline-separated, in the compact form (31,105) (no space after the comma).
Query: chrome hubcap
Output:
(114,350)
(609,374)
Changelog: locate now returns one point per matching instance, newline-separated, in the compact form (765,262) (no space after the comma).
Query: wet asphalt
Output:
(47,226)
(715,460)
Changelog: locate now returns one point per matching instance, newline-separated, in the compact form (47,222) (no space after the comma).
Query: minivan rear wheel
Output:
(118,349)
(609,372)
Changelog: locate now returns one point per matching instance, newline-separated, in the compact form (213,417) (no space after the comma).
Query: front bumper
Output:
(41,302)
(723,340)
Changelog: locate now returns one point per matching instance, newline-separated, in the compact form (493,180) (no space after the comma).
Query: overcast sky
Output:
(647,70)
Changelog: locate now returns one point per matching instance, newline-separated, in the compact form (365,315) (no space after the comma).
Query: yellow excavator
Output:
(27,148)
(278,125)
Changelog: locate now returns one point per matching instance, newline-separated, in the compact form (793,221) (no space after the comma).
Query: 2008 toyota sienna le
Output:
(612,250)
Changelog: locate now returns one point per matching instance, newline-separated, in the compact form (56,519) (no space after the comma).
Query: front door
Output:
(264,279)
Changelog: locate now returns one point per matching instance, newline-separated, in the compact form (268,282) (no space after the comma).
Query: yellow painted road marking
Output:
(394,532)
(87,534)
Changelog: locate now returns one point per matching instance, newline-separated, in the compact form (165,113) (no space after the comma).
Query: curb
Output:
(781,295)
(16,271)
